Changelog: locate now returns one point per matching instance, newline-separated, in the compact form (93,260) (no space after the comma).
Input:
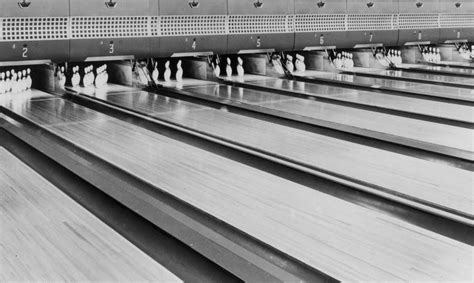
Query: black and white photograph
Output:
(236,141)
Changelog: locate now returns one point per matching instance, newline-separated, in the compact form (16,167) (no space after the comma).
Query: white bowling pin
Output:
(2,83)
(62,77)
(350,62)
(29,81)
(217,69)
(300,65)
(155,73)
(106,75)
(167,74)
(92,79)
(290,67)
(240,67)
(179,71)
(338,61)
(228,68)
(8,82)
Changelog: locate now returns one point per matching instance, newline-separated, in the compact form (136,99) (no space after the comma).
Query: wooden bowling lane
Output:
(441,70)
(418,180)
(453,112)
(446,139)
(46,236)
(415,88)
(416,77)
(341,239)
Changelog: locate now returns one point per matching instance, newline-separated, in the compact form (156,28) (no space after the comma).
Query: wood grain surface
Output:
(342,239)
(415,87)
(45,236)
(408,128)
(421,106)
(418,76)
(422,180)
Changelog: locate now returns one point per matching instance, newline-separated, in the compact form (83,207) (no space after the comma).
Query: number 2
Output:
(25,52)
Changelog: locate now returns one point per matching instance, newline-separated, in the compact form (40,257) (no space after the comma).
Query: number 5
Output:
(259,42)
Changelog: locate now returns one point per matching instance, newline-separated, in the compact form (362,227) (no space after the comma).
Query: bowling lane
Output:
(283,214)
(422,77)
(417,180)
(421,106)
(448,139)
(417,88)
(46,236)
(438,69)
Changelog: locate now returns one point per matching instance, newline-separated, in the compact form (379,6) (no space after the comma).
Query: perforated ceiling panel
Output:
(456,20)
(252,24)
(320,22)
(33,28)
(370,22)
(192,25)
(109,27)
(418,21)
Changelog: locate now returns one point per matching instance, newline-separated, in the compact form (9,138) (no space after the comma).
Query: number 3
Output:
(111,48)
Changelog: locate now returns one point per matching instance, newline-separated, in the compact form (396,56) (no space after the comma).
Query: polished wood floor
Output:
(420,180)
(45,236)
(426,132)
(342,239)
(413,105)
(425,89)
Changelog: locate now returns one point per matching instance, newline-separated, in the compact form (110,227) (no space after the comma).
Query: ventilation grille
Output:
(456,20)
(246,24)
(192,25)
(370,22)
(321,22)
(108,27)
(34,28)
(155,29)
(418,21)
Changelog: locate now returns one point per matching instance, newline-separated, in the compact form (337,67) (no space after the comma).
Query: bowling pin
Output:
(29,81)
(217,69)
(350,62)
(92,79)
(167,74)
(290,67)
(155,73)
(7,82)
(62,77)
(240,67)
(300,66)
(338,61)
(179,71)
(228,68)
(106,75)
(438,55)
(2,83)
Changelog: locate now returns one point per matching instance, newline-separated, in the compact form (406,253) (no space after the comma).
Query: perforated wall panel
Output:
(33,28)
(320,22)
(418,21)
(192,25)
(370,22)
(456,20)
(260,24)
(109,27)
